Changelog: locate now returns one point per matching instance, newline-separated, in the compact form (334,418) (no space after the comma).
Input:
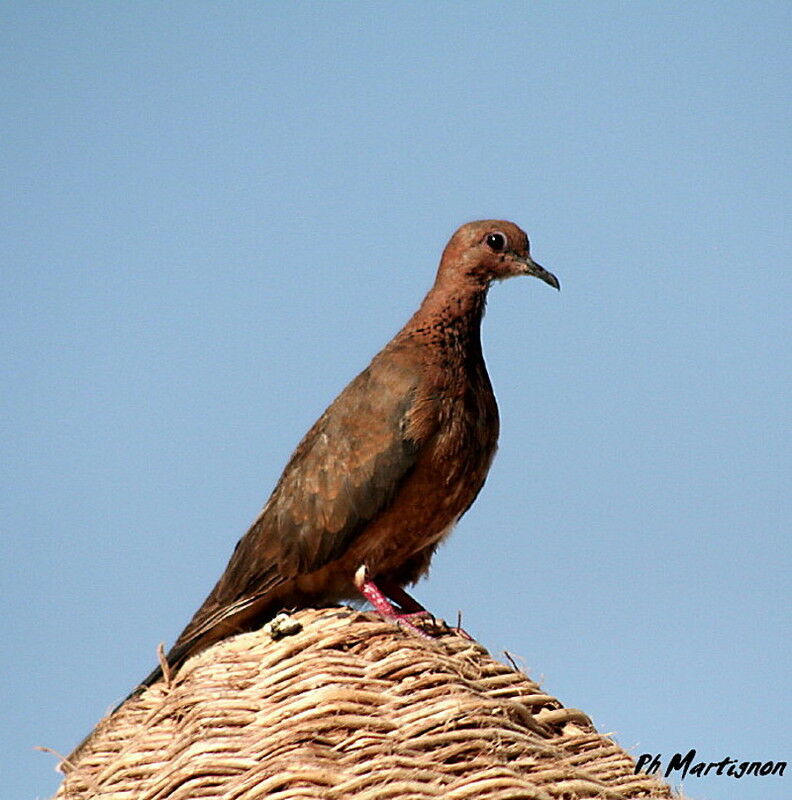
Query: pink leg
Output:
(407,603)
(383,606)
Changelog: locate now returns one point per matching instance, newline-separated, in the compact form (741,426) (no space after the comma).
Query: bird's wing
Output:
(343,474)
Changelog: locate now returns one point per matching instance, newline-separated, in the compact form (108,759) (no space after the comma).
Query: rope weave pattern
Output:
(350,707)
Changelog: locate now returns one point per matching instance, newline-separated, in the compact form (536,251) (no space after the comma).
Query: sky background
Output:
(213,215)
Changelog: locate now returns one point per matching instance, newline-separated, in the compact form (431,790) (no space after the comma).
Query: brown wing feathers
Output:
(344,472)
(390,466)
(385,472)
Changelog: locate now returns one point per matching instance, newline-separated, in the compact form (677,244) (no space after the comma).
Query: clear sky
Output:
(213,215)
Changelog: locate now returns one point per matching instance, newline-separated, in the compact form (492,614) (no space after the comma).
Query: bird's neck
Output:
(449,320)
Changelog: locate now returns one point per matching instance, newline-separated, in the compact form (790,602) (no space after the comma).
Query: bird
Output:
(382,477)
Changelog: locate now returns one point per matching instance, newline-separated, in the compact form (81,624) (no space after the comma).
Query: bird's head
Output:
(490,250)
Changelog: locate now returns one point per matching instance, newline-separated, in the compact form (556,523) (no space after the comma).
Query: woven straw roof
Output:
(350,707)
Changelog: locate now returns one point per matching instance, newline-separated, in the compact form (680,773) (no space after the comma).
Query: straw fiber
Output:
(348,706)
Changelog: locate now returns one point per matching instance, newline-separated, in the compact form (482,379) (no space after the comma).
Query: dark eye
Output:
(496,241)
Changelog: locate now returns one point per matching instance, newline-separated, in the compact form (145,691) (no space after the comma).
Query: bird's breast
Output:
(449,472)
(453,423)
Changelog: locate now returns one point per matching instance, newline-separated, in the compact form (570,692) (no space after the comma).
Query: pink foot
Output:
(408,602)
(383,606)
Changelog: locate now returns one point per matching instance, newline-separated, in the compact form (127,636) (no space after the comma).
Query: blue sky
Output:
(214,215)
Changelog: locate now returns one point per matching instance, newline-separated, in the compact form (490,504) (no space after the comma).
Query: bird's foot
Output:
(407,603)
(386,609)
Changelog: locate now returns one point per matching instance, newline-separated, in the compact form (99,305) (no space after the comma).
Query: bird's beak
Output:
(530,267)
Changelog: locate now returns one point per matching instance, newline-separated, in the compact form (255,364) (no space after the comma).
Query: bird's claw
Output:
(386,609)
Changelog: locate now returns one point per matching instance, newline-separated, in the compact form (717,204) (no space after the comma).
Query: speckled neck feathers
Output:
(390,466)
(449,321)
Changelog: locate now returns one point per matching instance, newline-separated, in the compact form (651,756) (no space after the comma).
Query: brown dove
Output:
(387,470)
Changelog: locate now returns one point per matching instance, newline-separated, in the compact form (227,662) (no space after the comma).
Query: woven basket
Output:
(349,706)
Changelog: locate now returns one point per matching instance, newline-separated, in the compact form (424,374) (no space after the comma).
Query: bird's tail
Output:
(209,624)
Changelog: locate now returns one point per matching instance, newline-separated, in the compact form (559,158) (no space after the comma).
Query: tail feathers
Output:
(211,627)
(155,675)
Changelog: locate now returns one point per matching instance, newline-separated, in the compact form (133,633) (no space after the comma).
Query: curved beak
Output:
(538,271)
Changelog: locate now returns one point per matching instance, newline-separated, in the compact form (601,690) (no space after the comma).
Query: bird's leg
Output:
(383,606)
(407,603)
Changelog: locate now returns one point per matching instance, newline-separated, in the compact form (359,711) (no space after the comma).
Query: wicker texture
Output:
(350,707)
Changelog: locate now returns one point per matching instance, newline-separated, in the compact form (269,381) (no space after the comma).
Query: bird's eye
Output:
(496,241)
